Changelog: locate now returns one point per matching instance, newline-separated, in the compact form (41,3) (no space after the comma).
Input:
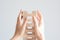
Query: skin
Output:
(20,27)
(37,33)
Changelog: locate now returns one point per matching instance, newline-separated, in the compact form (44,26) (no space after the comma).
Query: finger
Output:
(24,26)
(35,24)
(20,17)
(39,17)
(35,21)
(24,21)
(18,20)
(39,14)
(18,27)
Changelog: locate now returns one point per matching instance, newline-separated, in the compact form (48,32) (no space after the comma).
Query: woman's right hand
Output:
(19,26)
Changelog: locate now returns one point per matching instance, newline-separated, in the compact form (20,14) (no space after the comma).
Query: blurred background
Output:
(50,9)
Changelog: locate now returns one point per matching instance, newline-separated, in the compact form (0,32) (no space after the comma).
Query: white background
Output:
(50,9)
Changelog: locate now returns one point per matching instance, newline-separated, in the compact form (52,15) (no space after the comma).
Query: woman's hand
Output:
(19,26)
(37,26)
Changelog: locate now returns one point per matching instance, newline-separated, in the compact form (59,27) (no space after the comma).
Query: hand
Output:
(37,26)
(19,27)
